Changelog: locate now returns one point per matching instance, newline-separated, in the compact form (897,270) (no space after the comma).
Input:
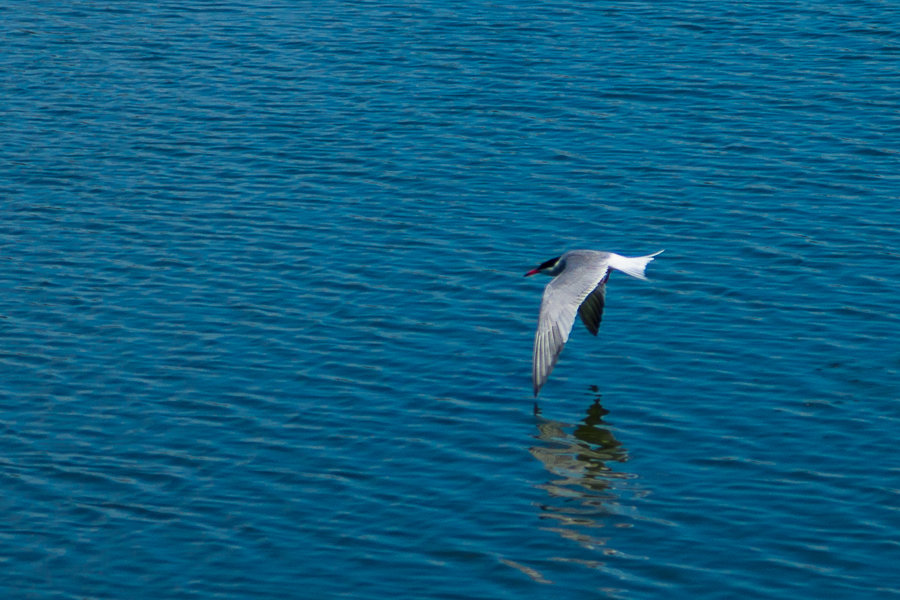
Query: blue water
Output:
(265,332)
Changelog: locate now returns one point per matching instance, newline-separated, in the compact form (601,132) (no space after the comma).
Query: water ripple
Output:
(264,322)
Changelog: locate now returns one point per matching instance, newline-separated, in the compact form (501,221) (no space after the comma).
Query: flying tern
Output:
(578,285)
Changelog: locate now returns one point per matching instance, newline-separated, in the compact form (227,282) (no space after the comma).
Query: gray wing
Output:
(583,277)
(591,310)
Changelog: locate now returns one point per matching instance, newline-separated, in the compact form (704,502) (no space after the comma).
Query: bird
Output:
(578,285)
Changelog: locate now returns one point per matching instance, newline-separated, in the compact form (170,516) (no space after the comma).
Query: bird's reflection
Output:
(584,488)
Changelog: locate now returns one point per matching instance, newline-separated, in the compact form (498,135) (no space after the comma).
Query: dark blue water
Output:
(265,332)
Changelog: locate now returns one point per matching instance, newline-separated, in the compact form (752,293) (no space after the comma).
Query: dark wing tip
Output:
(548,347)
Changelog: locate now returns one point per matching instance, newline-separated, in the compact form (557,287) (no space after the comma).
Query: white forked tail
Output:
(631,266)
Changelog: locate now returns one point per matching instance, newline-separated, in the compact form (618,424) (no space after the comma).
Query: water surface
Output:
(265,332)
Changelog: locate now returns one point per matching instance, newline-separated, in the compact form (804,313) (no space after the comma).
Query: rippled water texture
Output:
(265,332)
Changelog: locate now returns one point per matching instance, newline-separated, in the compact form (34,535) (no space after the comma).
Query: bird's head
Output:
(548,267)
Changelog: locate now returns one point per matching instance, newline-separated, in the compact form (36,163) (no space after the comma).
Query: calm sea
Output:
(264,331)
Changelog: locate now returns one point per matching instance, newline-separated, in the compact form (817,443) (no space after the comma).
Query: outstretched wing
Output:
(591,310)
(584,276)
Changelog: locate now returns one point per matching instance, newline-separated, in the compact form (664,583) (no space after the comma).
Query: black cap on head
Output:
(544,265)
(548,263)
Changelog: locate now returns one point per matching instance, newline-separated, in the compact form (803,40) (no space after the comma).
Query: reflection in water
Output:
(584,490)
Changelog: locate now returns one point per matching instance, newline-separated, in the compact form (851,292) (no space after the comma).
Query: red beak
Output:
(532,272)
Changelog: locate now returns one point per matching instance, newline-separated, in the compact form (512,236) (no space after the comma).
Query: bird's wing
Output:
(562,298)
(591,310)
